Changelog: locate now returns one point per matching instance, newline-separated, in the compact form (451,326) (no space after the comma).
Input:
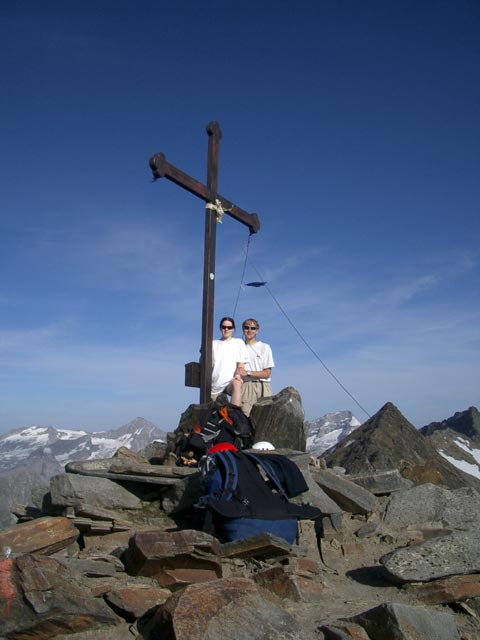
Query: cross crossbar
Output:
(163,169)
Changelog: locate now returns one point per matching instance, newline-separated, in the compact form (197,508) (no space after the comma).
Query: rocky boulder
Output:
(280,420)
(455,554)
(174,559)
(430,504)
(227,608)
(393,620)
(40,598)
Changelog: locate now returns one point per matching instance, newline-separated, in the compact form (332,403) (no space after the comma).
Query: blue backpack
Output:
(248,493)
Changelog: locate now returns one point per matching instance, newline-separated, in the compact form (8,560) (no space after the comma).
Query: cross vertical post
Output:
(214,137)
(216,206)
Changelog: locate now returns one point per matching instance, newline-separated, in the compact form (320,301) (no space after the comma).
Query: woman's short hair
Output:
(250,321)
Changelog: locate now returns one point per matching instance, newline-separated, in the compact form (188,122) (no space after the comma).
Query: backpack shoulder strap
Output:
(230,473)
(269,470)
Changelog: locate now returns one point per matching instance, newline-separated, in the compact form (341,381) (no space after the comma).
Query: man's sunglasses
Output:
(249,328)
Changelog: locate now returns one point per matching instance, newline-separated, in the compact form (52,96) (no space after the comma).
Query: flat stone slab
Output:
(348,495)
(137,600)
(70,489)
(455,554)
(127,466)
(315,495)
(43,535)
(174,559)
(381,483)
(263,545)
(446,590)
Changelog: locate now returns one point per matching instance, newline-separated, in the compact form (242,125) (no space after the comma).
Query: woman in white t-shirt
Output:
(229,356)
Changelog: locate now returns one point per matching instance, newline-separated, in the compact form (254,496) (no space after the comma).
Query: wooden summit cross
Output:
(215,207)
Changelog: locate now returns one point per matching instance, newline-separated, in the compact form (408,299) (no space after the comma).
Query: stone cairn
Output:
(118,552)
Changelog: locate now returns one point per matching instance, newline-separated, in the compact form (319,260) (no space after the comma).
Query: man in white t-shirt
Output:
(229,357)
(257,384)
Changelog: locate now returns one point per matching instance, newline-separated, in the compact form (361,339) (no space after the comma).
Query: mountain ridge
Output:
(30,457)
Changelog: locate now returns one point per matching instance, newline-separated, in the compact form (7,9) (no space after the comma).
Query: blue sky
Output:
(351,128)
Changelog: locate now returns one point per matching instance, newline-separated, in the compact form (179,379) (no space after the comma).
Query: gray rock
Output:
(183,495)
(315,495)
(281,420)
(455,554)
(457,509)
(70,489)
(394,621)
(381,482)
(368,530)
(348,495)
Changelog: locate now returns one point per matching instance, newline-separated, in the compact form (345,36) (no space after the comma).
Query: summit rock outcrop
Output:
(118,553)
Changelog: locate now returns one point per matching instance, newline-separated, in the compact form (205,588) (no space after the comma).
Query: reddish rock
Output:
(286,584)
(135,601)
(454,589)
(40,598)
(304,566)
(227,608)
(263,545)
(105,544)
(43,535)
(8,592)
(174,559)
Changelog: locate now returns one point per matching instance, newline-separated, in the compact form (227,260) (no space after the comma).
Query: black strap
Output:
(269,470)
(231,473)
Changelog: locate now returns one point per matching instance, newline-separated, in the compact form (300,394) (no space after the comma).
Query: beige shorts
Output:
(253,391)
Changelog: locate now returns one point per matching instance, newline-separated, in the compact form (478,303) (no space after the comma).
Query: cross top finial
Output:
(213,129)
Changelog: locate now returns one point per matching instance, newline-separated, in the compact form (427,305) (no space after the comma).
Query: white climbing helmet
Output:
(263,446)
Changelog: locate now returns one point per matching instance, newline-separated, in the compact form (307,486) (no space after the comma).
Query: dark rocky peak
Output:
(465,422)
(389,441)
(382,442)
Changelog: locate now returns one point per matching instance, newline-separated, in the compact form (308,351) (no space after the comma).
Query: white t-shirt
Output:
(225,355)
(259,357)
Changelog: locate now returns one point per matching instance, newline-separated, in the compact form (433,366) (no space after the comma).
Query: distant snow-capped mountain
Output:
(30,457)
(327,431)
(18,447)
